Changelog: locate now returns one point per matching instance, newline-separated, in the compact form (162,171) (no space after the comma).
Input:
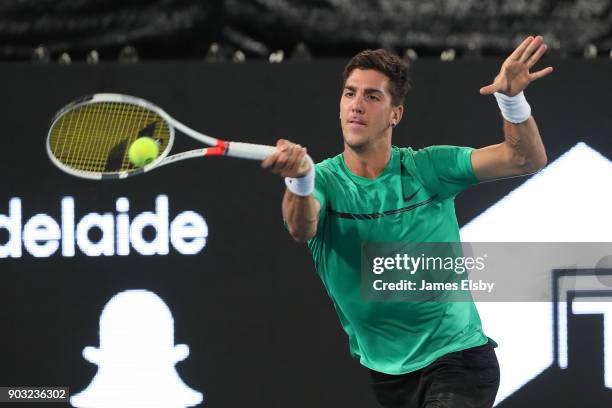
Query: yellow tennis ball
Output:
(143,151)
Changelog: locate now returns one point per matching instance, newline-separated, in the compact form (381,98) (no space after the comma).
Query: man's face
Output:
(366,110)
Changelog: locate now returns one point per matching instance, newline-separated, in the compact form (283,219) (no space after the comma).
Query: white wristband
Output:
(302,186)
(514,109)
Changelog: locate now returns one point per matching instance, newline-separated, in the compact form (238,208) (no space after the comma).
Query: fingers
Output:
(287,159)
(516,54)
(283,142)
(297,163)
(541,73)
(281,146)
(488,90)
(270,160)
(514,75)
(531,48)
(536,55)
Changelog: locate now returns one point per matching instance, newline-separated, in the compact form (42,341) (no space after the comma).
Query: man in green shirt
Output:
(420,354)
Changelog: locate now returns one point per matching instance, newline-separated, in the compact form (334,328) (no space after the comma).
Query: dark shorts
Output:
(463,379)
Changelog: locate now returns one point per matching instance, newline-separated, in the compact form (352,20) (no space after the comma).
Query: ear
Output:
(396,114)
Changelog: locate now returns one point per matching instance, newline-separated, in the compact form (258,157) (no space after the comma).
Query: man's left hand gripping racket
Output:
(90,137)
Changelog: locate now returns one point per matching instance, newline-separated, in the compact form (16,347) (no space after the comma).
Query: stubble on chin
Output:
(362,144)
(356,146)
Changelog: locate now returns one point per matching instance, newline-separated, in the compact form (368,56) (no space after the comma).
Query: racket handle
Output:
(249,150)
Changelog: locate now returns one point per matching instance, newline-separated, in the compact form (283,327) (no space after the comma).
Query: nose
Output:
(357,104)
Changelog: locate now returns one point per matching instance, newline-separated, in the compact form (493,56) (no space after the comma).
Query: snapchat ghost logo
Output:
(136,357)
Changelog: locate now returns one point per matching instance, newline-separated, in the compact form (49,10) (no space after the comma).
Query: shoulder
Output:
(405,152)
(329,164)
(329,168)
(410,153)
(439,155)
(409,157)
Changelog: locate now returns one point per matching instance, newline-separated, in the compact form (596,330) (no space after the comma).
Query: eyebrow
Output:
(367,90)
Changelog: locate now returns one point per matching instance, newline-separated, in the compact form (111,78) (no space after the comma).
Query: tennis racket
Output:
(90,137)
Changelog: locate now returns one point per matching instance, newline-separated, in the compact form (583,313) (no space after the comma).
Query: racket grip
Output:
(249,150)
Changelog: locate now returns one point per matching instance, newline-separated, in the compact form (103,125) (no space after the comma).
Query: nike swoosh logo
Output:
(411,196)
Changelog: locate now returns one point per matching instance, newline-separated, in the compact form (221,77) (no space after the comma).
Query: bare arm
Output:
(522,151)
(300,213)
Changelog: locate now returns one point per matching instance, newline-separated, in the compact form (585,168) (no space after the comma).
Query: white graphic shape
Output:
(565,202)
(136,357)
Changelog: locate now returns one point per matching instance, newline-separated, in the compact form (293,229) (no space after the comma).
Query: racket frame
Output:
(217,147)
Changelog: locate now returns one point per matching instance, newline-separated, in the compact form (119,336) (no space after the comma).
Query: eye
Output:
(349,93)
(373,98)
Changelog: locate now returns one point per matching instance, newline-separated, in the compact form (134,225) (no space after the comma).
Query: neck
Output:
(369,162)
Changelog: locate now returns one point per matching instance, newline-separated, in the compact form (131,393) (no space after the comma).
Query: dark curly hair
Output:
(387,63)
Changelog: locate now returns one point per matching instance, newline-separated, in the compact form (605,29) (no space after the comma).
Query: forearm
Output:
(301,215)
(525,145)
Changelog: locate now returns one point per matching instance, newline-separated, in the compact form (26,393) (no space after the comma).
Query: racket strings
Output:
(95,137)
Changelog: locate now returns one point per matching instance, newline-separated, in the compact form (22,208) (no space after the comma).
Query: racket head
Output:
(90,137)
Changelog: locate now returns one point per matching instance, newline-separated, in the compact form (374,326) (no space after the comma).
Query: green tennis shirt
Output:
(412,200)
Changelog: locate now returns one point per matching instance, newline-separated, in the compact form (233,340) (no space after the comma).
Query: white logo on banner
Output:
(42,236)
(136,357)
(565,202)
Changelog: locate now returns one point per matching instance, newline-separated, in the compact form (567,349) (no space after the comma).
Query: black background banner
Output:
(258,322)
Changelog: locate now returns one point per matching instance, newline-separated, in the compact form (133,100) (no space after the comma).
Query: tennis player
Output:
(428,354)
